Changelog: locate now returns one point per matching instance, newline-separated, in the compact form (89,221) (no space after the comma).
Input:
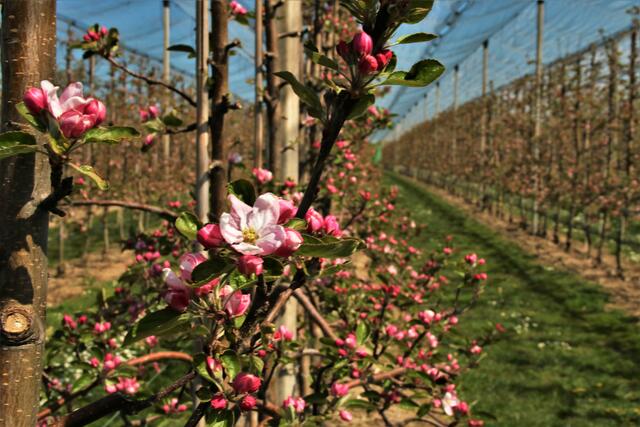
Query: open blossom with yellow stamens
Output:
(253,230)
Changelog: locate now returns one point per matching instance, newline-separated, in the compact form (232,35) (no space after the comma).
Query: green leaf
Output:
(110,135)
(273,268)
(416,11)
(318,58)
(421,74)
(328,247)
(358,404)
(244,190)
(305,93)
(208,270)
(296,224)
(30,118)
(155,125)
(361,106)
(407,403)
(183,48)
(362,333)
(231,363)
(91,173)
(16,142)
(200,363)
(225,418)
(424,410)
(57,140)
(414,38)
(158,323)
(188,224)
(256,365)
(172,120)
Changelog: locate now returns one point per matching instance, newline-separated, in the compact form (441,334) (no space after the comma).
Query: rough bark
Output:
(28,56)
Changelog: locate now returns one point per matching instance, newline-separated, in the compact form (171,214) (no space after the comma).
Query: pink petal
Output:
(73,90)
(230,228)
(248,249)
(239,210)
(51,93)
(271,238)
(266,211)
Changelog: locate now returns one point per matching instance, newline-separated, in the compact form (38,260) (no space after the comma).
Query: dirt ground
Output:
(625,294)
(80,273)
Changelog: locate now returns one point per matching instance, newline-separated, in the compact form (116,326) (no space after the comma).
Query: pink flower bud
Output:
(35,100)
(144,115)
(153,111)
(368,64)
(237,304)
(283,333)
(287,210)
(248,403)
(250,264)
(331,226)
(339,390)
(345,415)
(74,124)
(362,44)
(177,297)
(296,403)
(97,109)
(383,58)
(104,31)
(293,241)
(219,401)
(262,175)
(246,383)
(315,221)
(210,237)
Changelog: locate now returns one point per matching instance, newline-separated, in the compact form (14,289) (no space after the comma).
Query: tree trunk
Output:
(272,89)
(28,56)
(219,107)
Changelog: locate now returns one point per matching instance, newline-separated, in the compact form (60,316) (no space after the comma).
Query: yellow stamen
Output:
(249,235)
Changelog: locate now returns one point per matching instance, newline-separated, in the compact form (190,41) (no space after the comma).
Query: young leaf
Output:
(320,59)
(297,224)
(110,135)
(362,333)
(421,74)
(339,248)
(91,173)
(231,363)
(16,142)
(306,94)
(416,11)
(183,48)
(243,190)
(188,224)
(30,118)
(208,270)
(158,323)
(414,38)
(172,120)
(217,418)
(363,103)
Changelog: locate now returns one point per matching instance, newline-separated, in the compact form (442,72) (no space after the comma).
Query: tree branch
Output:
(116,402)
(161,355)
(151,81)
(315,315)
(164,213)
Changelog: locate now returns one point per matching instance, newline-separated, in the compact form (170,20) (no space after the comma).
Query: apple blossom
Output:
(253,230)
(292,243)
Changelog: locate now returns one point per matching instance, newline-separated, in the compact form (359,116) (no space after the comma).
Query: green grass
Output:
(566,361)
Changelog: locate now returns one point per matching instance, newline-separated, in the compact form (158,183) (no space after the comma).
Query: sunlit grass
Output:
(567,361)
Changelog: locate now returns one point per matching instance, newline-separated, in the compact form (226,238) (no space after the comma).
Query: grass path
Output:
(567,361)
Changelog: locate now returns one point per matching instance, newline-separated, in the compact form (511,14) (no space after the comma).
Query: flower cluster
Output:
(74,113)
(359,52)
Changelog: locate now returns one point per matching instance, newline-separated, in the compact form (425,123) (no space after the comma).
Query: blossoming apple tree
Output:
(376,335)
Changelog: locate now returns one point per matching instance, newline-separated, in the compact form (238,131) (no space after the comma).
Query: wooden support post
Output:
(259,59)
(202,114)
(537,119)
(28,56)
(290,52)
(166,77)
